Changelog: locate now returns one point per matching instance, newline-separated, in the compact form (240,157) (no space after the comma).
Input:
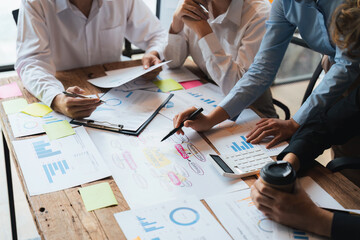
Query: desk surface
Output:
(62,215)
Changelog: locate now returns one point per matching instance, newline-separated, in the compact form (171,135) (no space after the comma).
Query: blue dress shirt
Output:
(312,18)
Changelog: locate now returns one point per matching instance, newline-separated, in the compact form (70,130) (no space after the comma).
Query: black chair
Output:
(342,163)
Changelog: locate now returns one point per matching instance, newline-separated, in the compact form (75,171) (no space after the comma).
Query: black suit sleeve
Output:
(345,226)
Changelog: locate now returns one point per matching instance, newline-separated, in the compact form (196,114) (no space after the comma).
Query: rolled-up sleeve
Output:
(266,63)
(177,49)
(34,63)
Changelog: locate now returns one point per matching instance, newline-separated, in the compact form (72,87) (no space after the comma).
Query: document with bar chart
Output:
(184,219)
(25,125)
(50,166)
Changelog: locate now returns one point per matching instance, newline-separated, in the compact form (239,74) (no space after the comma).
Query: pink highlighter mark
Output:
(182,151)
(174,179)
(191,84)
(129,160)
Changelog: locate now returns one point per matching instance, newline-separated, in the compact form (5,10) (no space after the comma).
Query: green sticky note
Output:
(14,106)
(167,85)
(37,110)
(58,130)
(98,196)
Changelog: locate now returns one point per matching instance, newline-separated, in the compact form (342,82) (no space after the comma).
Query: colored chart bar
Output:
(129,94)
(152,229)
(42,152)
(51,170)
(65,164)
(46,170)
(55,166)
(144,224)
(61,168)
(236,146)
(48,122)
(300,235)
(246,143)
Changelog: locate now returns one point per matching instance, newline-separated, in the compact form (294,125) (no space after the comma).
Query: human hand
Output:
(296,209)
(280,129)
(75,107)
(149,59)
(191,9)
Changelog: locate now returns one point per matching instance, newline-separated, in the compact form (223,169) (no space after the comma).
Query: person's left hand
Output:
(280,129)
(296,209)
(149,59)
(200,27)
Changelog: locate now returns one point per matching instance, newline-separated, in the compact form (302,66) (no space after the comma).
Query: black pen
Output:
(70,94)
(191,117)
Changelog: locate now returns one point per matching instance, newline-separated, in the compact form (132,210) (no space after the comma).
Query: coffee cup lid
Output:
(278,173)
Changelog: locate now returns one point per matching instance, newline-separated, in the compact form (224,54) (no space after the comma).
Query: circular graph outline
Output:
(34,125)
(261,227)
(184,224)
(108,101)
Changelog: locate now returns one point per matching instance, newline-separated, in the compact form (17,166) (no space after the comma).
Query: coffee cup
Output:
(279,175)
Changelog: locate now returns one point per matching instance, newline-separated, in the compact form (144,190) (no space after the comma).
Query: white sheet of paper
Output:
(148,171)
(183,219)
(240,217)
(207,96)
(116,78)
(59,164)
(225,134)
(137,84)
(130,109)
(181,74)
(25,125)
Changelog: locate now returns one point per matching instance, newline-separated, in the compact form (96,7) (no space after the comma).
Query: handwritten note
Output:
(14,106)
(37,110)
(10,90)
(167,85)
(97,196)
(191,84)
(58,130)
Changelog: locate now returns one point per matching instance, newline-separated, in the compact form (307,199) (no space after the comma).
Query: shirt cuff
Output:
(209,45)
(49,95)
(298,118)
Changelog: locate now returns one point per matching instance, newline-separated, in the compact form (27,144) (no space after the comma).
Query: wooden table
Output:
(62,215)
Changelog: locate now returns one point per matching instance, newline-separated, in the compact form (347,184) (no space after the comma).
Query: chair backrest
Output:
(15,14)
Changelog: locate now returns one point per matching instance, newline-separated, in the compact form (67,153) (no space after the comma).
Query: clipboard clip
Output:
(101,125)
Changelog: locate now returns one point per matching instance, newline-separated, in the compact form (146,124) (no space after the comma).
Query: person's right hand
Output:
(191,9)
(75,107)
(200,123)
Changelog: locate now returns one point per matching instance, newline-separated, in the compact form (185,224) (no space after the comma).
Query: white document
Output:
(25,125)
(148,171)
(225,136)
(116,78)
(207,96)
(240,217)
(185,219)
(136,84)
(50,166)
(181,74)
(130,109)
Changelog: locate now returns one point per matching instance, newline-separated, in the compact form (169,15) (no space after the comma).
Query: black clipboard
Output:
(119,128)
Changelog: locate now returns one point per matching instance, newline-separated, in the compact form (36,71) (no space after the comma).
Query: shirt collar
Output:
(62,5)
(233,13)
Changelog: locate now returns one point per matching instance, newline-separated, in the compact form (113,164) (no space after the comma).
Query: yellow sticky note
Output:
(98,196)
(58,130)
(37,110)
(167,85)
(14,106)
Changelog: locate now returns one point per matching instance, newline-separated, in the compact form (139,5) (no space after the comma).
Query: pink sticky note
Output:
(191,84)
(10,90)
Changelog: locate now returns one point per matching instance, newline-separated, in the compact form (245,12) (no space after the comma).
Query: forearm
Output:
(217,116)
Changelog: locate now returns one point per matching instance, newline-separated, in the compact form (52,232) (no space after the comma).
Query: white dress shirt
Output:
(53,35)
(227,53)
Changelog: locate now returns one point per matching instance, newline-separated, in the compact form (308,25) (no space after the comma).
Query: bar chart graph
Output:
(50,169)
(51,119)
(203,99)
(42,152)
(148,226)
(241,145)
(300,235)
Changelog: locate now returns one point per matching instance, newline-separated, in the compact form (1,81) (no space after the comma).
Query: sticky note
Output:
(191,84)
(167,85)
(37,110)
(14,106)
(58,130)
(10,90)
(98,196)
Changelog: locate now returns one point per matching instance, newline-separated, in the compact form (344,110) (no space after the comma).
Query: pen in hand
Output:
(191,117)
(70,94)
